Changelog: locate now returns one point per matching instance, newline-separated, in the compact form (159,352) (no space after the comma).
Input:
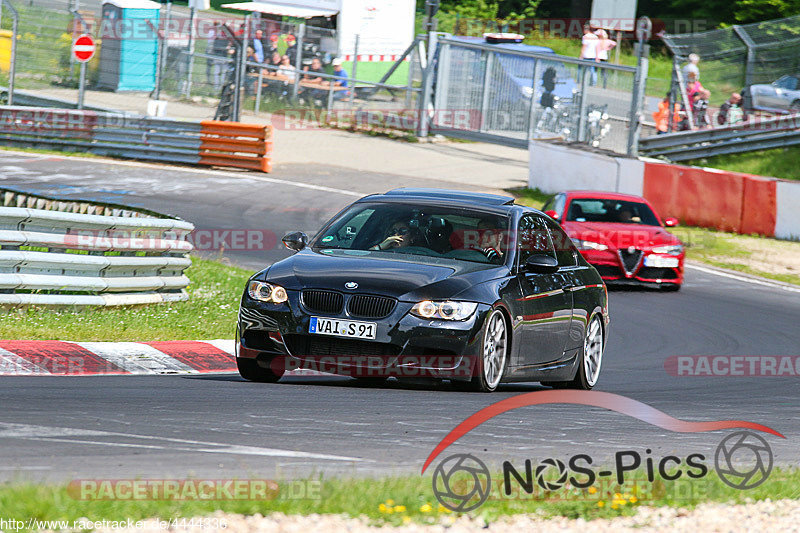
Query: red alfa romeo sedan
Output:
(622,236)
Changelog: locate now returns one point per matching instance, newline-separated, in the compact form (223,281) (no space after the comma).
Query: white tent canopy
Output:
(277,8)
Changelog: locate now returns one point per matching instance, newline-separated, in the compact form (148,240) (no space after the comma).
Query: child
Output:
(700,109)
(661,117)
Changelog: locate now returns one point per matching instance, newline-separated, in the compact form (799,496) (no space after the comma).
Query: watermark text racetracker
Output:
(462,482)
(733,365)
(239,239)
(194,489)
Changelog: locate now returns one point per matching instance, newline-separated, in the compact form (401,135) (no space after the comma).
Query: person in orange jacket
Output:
(661,117)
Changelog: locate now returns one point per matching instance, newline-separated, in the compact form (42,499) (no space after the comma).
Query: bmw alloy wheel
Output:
(593,351)
(495,342)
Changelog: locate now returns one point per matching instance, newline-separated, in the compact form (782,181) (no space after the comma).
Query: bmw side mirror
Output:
(296,241)
(670,222)
(541,264)
(552,214)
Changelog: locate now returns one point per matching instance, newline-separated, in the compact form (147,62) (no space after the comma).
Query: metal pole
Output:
(82,85)
(639,84)
(751,52)
(532,111)
(258,89)
(675,69)
(587,71)
(354,76)
(13,66)
(427,87)
(298,61)
(163,50)
(486,84)
(190,70)
(242,66)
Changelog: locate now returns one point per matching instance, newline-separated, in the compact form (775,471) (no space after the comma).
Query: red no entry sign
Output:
(83,48)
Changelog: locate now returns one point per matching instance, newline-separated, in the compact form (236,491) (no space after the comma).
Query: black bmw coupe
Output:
(429,283)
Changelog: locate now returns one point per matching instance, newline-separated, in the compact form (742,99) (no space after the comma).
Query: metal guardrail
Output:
(207,142)
(55,252)
(775,132)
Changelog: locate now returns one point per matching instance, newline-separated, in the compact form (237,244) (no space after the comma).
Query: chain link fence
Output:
(739,56)
(185,64)
(483,92)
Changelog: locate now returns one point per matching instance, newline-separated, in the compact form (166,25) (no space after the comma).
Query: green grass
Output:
(779,162)
(397,500)
(210,313)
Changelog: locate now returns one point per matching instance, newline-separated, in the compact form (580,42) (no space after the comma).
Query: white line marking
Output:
(137,358)
(213,172)
(54,434)
(743,278)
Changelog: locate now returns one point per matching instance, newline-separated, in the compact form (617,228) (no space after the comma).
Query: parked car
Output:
(433,283)
(782,95)
(621,236)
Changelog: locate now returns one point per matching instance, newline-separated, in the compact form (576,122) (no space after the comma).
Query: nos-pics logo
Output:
(462,482)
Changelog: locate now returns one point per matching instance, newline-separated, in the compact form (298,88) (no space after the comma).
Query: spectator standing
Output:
(258,46)
(661,117)
(251,72)
(731,112)
(604,46)
(339,71)
(292,50)
(215,66)
(692,86)
(589,45)
(691,67)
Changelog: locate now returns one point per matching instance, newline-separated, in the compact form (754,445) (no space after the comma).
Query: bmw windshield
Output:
(411,232)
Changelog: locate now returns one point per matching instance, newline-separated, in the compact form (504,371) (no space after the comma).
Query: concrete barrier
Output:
(787,219)
(705,197)
(587,169)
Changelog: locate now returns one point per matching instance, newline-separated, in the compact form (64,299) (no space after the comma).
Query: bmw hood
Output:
(410,278)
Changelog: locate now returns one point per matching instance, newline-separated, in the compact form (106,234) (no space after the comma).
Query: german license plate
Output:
(342,328)
(658,261)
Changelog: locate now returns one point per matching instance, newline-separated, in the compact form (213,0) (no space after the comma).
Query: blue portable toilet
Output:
(129,45)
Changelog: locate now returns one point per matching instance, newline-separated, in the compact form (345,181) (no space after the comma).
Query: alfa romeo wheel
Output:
(494,353)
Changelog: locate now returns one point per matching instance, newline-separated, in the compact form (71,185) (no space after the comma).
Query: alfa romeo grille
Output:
(630,259)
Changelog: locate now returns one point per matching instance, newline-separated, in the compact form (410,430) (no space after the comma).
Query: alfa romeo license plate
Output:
(659,261)
(342,328)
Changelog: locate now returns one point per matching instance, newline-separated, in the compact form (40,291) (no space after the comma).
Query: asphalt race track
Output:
(221,427)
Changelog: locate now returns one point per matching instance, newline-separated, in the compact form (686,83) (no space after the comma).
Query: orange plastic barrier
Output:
(709,198)
(233,144)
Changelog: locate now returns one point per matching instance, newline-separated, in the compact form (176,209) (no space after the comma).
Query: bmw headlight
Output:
(267,292)
(588,245)
(446,310)
(675,249)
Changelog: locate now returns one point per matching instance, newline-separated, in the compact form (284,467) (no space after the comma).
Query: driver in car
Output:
(397,236)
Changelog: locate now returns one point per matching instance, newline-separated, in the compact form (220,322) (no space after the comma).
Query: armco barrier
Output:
(227,144)
(234,144)
(728,201)
(56,252)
